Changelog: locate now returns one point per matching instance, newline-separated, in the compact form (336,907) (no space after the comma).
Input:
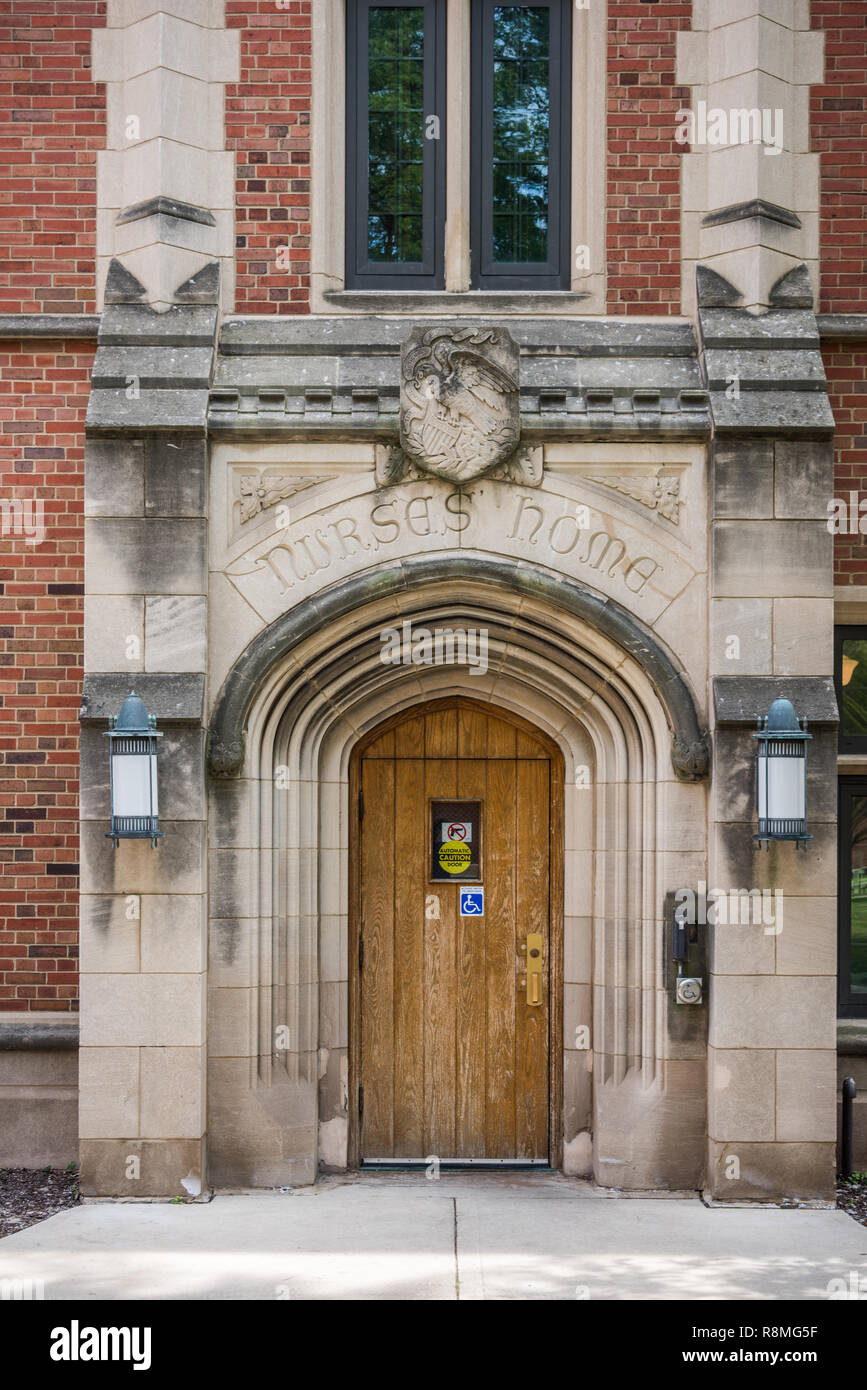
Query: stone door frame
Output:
(279,884)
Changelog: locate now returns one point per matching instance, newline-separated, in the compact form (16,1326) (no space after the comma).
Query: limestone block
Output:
(743,478)
(733,791)
(333,948)
(741,1094)
(577,1095)
(691,64)
(766,558)
(136,868)
(144,557)
(142,1010)
(803,636)
(803,477)
(233,954)
(113,477)
(175,633)
(333,1014)
(113,633)
(173,933)
(161,40)
(109,933)
(108,1081)
(172,1092)
(175,477)
(739,861)
(577,1014)
(38,1126)
(768,1011)
(806,1096)
(233,883)
(713,14)
(162,229)
(210,14)
(742,948)
(165,1168)
(770,1172)
(262,1137)
(577,950)
(741,636)
(43,1070)
(167,104)
(807,945)
(232,1023)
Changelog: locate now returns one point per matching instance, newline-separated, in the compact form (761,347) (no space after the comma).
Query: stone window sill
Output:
(509,303)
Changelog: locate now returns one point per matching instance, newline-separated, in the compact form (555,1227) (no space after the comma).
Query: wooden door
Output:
(452,1057)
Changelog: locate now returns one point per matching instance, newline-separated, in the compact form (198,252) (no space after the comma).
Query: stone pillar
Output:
(772,985)
(143,911)
(750,187)
(165,182)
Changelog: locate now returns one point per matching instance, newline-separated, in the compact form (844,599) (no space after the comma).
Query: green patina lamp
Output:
(133,761)
(781,776)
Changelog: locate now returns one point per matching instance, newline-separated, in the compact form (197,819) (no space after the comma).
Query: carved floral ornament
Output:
(261,490)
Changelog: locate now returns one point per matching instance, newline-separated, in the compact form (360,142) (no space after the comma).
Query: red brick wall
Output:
(268,125)
(838,130)
(43,397)
(52,122)
(846,370)
(643,156)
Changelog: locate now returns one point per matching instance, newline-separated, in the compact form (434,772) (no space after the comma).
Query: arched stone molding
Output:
(278,1100)
(689,739)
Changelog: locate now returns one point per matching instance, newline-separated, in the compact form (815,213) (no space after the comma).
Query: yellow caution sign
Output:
(454,857)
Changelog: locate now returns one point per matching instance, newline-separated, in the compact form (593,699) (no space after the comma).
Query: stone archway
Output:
(287,720)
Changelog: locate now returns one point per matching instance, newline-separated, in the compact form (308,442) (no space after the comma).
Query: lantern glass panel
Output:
(782,793)
(135,784)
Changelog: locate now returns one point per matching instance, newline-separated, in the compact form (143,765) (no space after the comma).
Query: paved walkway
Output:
(463,1236)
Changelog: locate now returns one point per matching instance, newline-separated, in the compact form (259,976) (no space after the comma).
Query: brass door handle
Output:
(534,968)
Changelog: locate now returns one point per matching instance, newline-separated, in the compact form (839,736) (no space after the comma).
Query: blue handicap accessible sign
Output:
(472,902)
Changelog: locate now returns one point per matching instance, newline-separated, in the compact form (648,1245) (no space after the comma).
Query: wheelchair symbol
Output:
(473,903)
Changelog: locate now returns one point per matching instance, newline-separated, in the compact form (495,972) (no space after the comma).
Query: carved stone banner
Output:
(459,404)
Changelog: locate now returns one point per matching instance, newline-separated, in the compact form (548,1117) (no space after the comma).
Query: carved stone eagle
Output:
(459,408)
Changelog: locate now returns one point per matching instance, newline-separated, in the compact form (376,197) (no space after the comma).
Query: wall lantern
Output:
(133,756)
(781,776)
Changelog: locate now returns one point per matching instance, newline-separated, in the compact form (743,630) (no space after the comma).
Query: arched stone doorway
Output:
(285,725)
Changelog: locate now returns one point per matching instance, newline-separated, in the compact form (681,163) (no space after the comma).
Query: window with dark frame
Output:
(852,902)
(395,145)
(850,679)
(520,145)
(521,124)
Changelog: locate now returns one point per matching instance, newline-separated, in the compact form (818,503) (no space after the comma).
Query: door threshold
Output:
(538,1165)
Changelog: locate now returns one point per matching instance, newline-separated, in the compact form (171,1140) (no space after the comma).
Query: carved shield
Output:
(459,404)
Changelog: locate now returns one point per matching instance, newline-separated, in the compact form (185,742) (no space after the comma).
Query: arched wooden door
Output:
(457,869)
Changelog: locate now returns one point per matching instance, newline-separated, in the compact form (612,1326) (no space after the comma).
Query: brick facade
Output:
(50,108)
(846,370)
(44,398)
(839,133)
(52,122)
(268,125)
(643,196)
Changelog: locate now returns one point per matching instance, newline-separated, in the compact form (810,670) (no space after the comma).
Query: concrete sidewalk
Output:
(389,1236)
